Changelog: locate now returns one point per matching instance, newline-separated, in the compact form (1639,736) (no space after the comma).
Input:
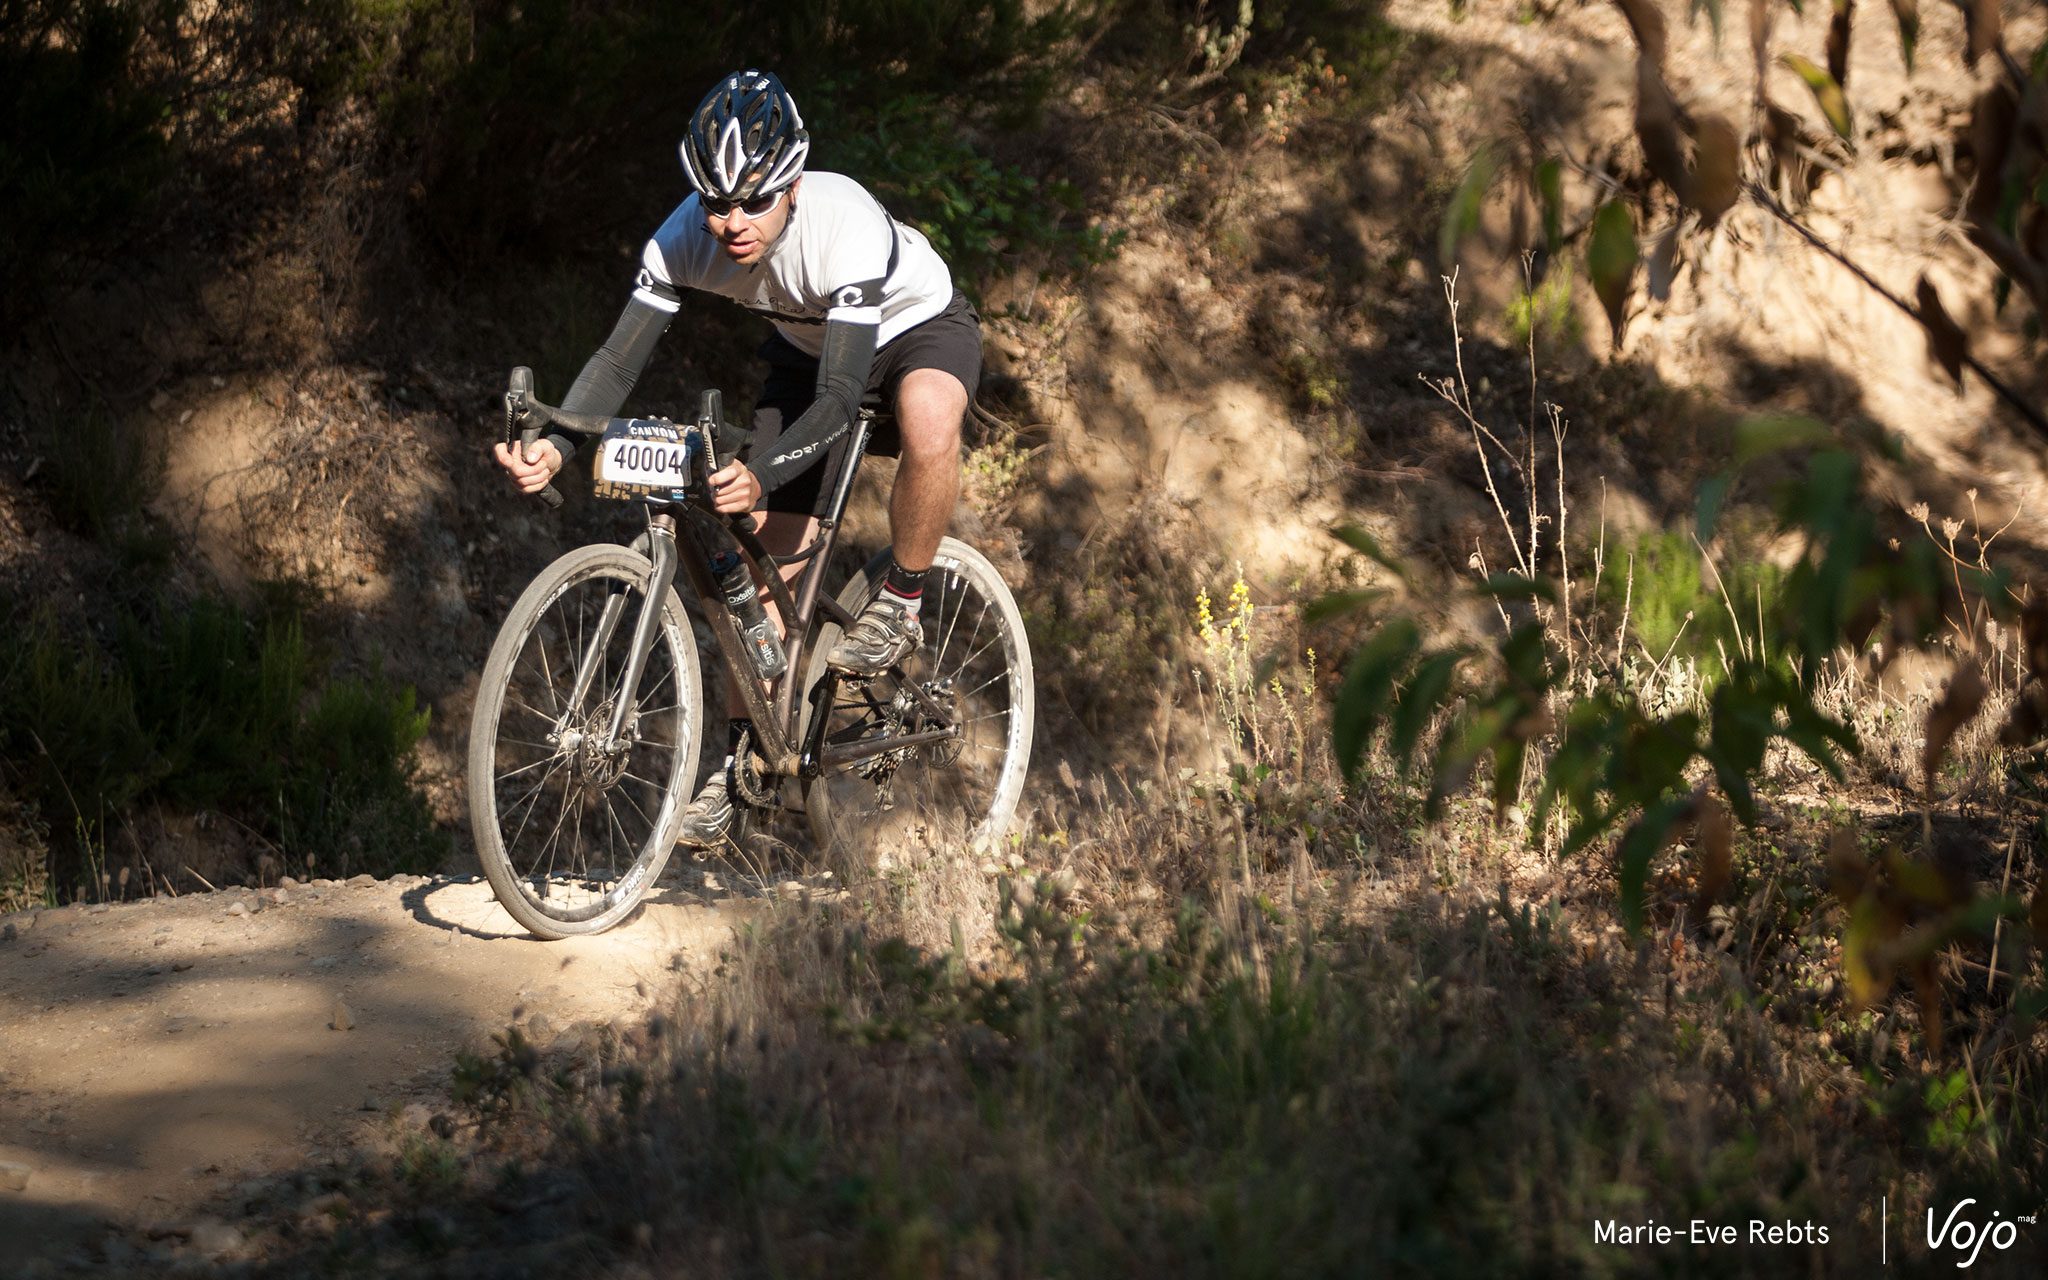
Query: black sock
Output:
(907,585)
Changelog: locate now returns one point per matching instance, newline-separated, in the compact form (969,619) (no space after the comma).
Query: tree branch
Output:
(2030,412)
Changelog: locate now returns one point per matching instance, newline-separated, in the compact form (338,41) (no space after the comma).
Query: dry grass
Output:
(1250,1022)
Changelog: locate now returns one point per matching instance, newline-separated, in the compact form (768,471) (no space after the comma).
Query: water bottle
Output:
(756,629)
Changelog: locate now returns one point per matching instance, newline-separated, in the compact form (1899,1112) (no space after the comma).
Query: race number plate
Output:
(638,457)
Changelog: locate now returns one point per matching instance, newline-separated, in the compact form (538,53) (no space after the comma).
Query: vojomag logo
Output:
(1967,1234)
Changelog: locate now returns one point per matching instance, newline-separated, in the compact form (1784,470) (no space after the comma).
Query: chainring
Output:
(752,785)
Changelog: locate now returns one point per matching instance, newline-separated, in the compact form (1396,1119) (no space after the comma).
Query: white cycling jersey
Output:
(842,257)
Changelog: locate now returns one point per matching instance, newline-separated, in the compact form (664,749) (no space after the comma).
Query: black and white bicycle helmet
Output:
(745,139)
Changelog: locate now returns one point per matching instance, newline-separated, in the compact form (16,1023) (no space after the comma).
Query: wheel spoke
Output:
(530,709)
(525,768)
(540,645)
(533,794)
(1000,675)
(566,868)
(993,641)
(636,804)
(959,607)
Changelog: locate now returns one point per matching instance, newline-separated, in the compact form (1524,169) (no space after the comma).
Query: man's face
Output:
(745,236)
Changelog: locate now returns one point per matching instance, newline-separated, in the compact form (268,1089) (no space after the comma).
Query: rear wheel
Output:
(975,664)
(571,834)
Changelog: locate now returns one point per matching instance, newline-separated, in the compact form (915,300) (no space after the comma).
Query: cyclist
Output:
(862,307)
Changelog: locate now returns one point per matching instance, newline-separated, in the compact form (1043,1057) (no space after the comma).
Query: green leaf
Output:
(1827,94)
(1473,736)
(1908,14)
(1367,683)
(1869,976)
(1611,259)
(1461,218)
(1508,754)
(1550,193)
(1368,546)
(1338,603)
(1713,8)
(1513,586)
(1639,847)
(1421,698)
(1527,657)
(1713,495)
(1776,432)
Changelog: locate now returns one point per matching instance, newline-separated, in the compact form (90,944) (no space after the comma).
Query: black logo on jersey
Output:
(868,293)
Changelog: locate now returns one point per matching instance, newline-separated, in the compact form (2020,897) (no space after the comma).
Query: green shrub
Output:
(99,474)
(1679,604)
(515,122)
(203,706)
(915,154)
(350,798)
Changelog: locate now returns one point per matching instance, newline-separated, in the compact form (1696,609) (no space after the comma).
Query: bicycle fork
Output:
(661,542)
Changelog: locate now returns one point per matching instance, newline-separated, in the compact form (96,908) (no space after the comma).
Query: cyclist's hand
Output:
(734,489)
(532,472)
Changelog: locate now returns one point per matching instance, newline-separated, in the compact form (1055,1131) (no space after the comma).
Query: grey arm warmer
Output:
(843,370)
(608,377)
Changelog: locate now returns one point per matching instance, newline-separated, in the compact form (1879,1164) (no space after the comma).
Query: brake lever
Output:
(518,420)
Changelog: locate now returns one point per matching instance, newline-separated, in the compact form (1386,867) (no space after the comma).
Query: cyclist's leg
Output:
(930,372)
(788,517)
(930,404)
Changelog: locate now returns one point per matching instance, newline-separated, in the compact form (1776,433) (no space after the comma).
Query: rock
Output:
(8,933)
(237,909)
(570,1042)
(364,881)
(214,1238)
(326,962)
(343,1019)
(790,890)
(14,1177)
(286,882)
(98,909)
(539,1028)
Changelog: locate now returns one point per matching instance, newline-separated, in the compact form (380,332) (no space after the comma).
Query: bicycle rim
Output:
(976,661)
(571,836)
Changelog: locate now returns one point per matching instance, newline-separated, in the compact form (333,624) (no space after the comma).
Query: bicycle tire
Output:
(843,807)
(574,887)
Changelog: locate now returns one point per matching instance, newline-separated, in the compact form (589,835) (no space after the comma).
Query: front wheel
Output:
(975,663)
(571,832)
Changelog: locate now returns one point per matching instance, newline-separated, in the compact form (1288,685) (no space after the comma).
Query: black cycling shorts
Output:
(950,341)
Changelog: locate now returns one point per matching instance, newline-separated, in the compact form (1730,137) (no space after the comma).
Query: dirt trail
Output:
(154,1056)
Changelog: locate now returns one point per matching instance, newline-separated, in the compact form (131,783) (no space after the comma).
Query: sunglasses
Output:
(757,207)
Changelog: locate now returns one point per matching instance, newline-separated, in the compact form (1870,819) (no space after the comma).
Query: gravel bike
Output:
(589,718)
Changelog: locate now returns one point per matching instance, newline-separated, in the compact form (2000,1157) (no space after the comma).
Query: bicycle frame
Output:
(674,528)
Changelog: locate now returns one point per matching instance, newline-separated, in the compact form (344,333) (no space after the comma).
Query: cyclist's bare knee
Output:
(930,404)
